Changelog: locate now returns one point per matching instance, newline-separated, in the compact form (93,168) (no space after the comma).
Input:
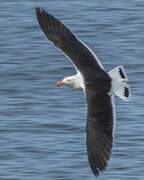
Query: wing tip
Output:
(97,165)
(38,10)
(43,18)
(97,171)
(99,150)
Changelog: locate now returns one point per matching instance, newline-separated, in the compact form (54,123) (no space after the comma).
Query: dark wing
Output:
(82,57)
(99,126)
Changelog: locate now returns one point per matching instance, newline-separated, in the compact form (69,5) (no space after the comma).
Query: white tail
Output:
(120,85)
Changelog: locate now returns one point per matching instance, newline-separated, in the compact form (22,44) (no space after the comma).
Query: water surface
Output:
(42,128)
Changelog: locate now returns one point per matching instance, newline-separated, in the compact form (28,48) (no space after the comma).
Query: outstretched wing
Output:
(99,130)
(82,57)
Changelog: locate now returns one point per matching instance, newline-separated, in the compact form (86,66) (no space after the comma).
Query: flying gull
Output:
(99,88)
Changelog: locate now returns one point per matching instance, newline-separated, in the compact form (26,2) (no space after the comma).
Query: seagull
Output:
(100,88)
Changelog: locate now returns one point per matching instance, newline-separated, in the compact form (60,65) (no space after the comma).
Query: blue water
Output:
(42,128)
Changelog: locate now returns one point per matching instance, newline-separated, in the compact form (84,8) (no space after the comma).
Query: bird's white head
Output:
(68,81)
